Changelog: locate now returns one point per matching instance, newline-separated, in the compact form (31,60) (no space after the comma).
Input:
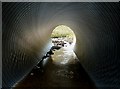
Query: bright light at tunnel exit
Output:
(66,34)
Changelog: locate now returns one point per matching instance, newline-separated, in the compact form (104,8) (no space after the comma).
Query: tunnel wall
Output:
(26,37)
(1,44)
(25,41)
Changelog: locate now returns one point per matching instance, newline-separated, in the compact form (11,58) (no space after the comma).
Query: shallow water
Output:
(64,56)
(59,70)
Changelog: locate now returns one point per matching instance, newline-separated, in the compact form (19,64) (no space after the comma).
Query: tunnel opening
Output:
(63,43)
(63,36)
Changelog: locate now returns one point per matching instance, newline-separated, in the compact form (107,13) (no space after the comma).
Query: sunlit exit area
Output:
(63,43)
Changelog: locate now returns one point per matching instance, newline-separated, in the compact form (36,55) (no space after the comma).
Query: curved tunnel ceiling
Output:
(27,28)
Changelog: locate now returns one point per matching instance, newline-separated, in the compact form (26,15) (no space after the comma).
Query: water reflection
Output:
(65,55)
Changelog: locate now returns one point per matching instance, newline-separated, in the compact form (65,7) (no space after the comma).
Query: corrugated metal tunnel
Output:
(26,38)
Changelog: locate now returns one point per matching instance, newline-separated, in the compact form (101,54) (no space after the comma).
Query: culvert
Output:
(27,27)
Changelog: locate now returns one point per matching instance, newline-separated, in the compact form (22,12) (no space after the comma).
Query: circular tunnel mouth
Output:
(63,36)
(63,43)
